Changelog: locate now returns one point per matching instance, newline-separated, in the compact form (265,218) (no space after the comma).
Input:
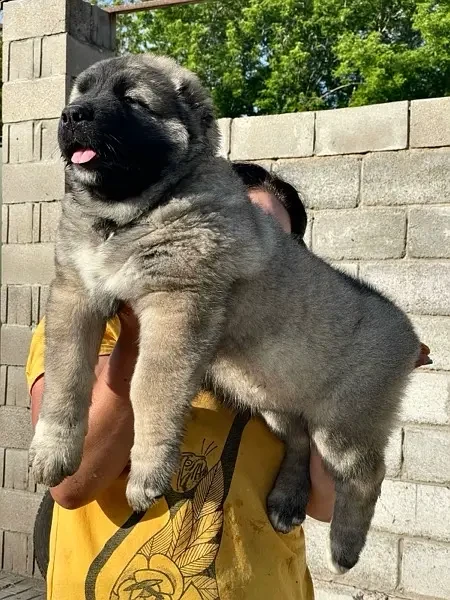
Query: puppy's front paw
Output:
(150,477)
(286,511)
(55,452)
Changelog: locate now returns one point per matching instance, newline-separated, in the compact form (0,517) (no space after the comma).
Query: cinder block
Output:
(393,456)
(376,569)
(36,223)
(91,25)
(15,344)
(324,591)
(359,234)
(15,430)
(19,305)
(323,182)
(417,286)
(427,398)
(225,136)
(40,99)
(46,140)
(35,294)
(20,223)
(396,508)
(435,331)
(413,177)
(430,125)
(425,569)
(3,383)
(33,182)
(273,136)
(433,511)
(21,142)
(21,60)
(362,129)
(43,300)
(16,388)
(2,468)
(5,61)
(27,263)
(5,213)
(50,215)
(16,470)
(80,56)
(54,55)
(5,143)
(429,232)
(18,510)
(427,455)
(15,553)
(33,18)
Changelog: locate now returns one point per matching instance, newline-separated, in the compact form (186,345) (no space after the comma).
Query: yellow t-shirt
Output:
(208,539)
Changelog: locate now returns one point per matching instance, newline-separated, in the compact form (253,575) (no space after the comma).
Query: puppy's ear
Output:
(191,92)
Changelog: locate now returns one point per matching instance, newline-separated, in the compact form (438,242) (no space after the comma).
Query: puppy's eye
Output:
(134,101)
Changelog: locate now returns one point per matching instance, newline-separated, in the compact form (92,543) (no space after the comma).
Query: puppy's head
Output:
(132,121)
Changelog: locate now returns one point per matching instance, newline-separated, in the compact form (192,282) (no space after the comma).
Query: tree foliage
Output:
(274,56)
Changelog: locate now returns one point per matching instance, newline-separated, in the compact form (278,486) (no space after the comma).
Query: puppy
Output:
(224,299)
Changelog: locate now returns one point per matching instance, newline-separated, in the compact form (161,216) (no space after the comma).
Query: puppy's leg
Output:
(358,471)
(176,341)
(288,499)
(73,334)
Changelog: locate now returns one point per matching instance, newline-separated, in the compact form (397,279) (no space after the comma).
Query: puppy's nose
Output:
(75,113)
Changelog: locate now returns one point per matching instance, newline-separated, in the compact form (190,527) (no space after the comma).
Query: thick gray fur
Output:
(225,298)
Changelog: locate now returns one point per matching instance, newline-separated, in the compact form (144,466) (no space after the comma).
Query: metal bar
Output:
(146,5)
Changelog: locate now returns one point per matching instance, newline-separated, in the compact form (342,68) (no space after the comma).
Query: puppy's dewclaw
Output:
(153,219)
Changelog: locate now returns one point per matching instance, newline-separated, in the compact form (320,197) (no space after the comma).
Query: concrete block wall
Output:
(46,43)
(376,183)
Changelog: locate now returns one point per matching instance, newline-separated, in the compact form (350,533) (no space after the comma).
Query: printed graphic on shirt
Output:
(178,561)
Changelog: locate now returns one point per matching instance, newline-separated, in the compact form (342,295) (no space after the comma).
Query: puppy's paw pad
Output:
(141,496)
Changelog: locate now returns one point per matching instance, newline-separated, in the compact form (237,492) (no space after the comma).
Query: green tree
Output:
(274,56)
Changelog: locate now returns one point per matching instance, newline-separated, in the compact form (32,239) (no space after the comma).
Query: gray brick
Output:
(362,129)
(430,123)
(36,223)
(37,56)
(21,59)
(350,268)
(80,56)
(46,140)
(324,591)
(359,234)
(15,344)
(27,263)
(43,300)
(225,135)
(2,471)
(396,508)
(40,99)
(16,470)
(21,142)
(3,304)
(33,182)
(417,286)
(5,143)
(433,511)
(35,295)
(433,465)
(16,388)
(50,214)
(5,224)
(33,18)
(429,232)
(323,182)
(250,138)
(54,55)
(19,305)
(435,331)
(413,177)
(5,60)
(3,383)
(20,223)
(15,430)
(18,510)
(373,571)
(425,569)
(16,552)
(427,398)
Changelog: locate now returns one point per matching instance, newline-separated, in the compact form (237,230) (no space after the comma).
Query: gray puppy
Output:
(223,296)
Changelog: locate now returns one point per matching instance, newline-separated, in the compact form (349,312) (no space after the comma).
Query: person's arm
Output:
(322,492)
(110,433)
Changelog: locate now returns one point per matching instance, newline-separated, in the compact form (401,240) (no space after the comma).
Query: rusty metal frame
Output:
(146,5)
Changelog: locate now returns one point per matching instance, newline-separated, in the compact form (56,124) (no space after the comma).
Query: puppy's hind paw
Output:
(285,512)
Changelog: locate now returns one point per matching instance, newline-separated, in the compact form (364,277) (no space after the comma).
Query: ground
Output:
(16,587)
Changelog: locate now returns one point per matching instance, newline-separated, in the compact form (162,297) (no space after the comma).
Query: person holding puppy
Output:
(209,537)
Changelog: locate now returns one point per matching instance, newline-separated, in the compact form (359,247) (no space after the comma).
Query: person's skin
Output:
(110,434)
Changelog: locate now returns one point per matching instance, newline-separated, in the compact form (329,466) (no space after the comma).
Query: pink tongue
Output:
(83,156)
